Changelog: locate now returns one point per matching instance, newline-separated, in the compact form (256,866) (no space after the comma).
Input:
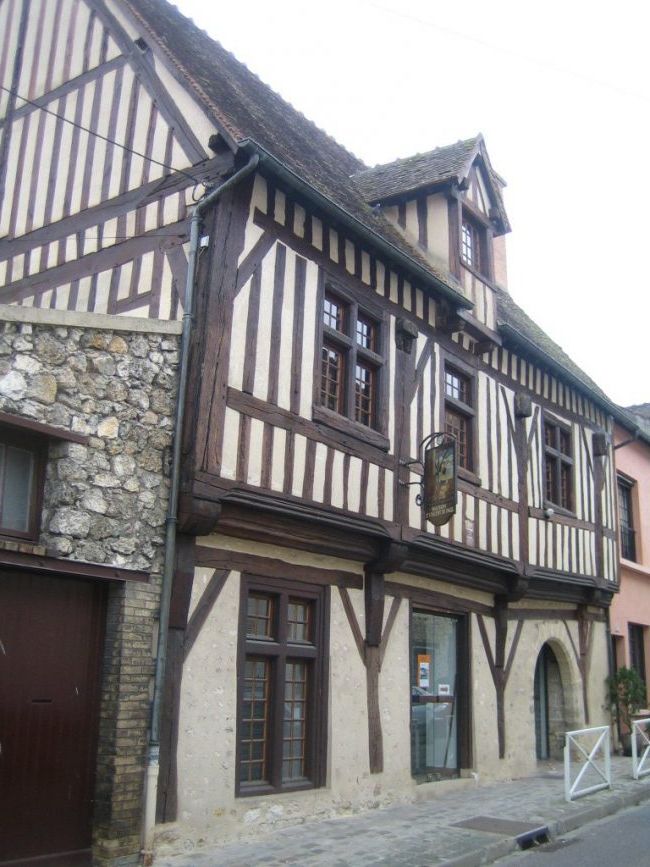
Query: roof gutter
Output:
(330,207)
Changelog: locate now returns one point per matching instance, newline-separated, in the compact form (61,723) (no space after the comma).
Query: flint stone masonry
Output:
(104,502)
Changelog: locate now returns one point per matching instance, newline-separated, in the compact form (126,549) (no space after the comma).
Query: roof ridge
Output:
(429,153)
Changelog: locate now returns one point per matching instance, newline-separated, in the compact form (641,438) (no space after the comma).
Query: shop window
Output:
(351,360)
(626,519)
(439,720)
(558,464)
(282,695)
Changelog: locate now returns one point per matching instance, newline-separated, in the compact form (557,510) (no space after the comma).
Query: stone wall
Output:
(114,381)
(104,502)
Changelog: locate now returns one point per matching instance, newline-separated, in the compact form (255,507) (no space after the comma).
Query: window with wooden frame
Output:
(460,414)
(558,464)
(351,359)
(282,705)
(474,242)
(22,462)
(626,518)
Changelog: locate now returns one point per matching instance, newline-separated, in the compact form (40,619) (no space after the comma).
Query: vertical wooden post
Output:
(501,634)
(584,642)
(372,646)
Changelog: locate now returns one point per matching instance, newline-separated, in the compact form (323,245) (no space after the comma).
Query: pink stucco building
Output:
(630,611)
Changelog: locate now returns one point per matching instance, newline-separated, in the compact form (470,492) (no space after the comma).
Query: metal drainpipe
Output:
(153,766)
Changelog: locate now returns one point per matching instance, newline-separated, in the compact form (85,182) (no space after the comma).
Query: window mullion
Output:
(277,708)
(351,362)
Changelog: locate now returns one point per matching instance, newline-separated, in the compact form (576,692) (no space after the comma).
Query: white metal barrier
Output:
(601,765)
(640,735)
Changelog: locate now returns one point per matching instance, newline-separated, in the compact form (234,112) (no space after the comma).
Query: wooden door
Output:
(51,634)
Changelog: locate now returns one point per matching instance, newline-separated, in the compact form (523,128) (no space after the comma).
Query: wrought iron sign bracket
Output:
(437,466)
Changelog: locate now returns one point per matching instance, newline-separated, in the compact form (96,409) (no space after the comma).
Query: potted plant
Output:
(627,695)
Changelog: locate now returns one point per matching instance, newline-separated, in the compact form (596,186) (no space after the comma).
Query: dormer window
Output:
(474,244)
(469,244)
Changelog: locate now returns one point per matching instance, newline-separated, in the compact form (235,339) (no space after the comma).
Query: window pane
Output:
(565,442)
(17,476)
(565,486)
(259,623)
(550,480)
(333,315)
(457,425)
(254,726)
(468,245)
(299,621)
(332,379)
(457,386)
(294,729)
(365,333)
(364,394)
(550,435)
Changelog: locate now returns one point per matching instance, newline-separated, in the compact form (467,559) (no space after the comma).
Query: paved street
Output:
(621,839)
(427,832)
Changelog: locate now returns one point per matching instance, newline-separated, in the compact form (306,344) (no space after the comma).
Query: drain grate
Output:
(526,834)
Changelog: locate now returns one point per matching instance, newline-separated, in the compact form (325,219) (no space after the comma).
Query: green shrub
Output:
(626,694)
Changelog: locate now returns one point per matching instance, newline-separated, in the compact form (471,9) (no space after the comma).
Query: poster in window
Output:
(424,670)
(440,481)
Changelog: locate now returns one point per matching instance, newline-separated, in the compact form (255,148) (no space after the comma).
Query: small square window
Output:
(21,479)
(333,313)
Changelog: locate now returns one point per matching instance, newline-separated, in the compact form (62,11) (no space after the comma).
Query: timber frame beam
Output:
(372,646)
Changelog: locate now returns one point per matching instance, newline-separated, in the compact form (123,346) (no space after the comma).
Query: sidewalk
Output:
(427,832)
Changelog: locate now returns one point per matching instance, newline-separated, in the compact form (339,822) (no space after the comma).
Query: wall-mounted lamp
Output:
(548,512)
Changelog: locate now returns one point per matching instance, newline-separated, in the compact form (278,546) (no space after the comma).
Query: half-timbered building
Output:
(326,647)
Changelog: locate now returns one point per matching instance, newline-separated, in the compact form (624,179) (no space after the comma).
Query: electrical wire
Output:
(98,135)
(502,49)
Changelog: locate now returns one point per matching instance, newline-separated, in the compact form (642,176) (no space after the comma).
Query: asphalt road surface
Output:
(622,840)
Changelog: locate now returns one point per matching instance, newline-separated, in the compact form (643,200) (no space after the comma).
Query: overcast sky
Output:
(561,92)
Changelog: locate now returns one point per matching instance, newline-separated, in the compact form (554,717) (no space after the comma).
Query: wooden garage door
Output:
(51,634)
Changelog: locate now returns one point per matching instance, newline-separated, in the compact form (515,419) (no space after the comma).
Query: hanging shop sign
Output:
(439,501)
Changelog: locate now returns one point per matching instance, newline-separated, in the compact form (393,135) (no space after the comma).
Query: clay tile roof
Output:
(411,173)
(518,323)
(244,108)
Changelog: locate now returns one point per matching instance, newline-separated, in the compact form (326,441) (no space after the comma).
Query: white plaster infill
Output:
(74,319)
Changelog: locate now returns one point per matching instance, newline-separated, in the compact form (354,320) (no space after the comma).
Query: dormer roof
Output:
(432,170)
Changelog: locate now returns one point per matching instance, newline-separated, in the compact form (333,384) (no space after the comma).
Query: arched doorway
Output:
(550,716)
